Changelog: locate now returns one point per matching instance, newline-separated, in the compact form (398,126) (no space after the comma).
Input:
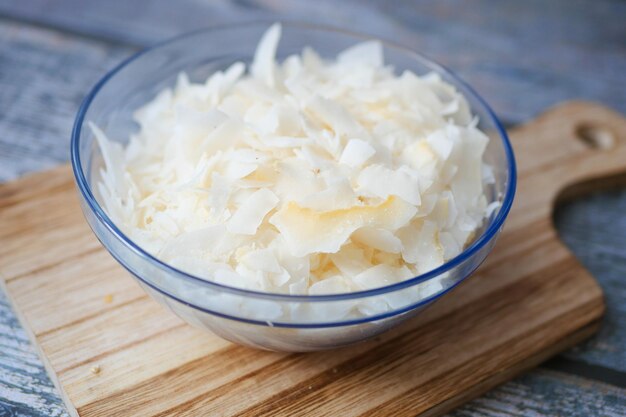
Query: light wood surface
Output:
(530,300)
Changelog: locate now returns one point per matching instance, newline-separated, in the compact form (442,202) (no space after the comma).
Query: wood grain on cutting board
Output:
(114,351)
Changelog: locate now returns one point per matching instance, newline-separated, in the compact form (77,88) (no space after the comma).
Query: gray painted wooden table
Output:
(522,56)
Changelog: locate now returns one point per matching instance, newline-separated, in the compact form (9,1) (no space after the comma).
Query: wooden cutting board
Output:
(113,351)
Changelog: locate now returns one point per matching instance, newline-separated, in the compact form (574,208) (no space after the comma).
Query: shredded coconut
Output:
(306,177)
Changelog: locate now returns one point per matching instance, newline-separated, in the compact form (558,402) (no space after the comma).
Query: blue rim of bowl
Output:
(476,245)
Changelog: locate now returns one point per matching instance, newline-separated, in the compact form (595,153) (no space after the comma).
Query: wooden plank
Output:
(569,50)
(595,230)
(44,76)
(25,388)
(161,19)
(505,319)
(548,393)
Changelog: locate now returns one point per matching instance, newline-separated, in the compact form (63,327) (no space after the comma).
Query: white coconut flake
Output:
(381,239)
(250,214)
(263,65)
(334,116)
(376,277)
(339,195)
(491,208)
(333,285)
(308,231)
(422,249)
(310,176)
(379,181)
(261,259)
(356,153)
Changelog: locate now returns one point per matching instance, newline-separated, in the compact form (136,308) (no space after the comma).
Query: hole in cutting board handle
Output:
(596,137)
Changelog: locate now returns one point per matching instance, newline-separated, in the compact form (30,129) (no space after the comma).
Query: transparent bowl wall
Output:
(262,320)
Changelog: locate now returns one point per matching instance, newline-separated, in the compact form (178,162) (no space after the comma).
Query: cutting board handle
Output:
(581,148)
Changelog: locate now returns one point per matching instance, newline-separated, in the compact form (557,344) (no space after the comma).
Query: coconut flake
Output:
(381,239)
(491,208)
(250,214)
(376,277)
(422,248)
(333,285)
(263,65)
(339,195)
(356,153)
(307,231)
(350,260)
(261,259)
(334,116)
(379,181)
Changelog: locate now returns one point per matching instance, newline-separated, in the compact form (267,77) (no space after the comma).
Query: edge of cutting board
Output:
(44,359)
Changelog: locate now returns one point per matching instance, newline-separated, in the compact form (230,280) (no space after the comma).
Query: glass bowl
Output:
(263,320)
